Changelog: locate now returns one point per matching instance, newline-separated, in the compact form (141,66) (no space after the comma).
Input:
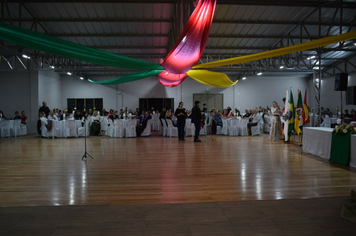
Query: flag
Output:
(291,114)
(305,112)
(298,113)
(286,117)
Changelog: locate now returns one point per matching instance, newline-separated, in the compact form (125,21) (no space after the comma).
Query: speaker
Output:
(341,82)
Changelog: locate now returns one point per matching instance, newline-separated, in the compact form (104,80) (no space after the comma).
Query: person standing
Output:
(44,108)
(275,132)
(196,119)
(181,115)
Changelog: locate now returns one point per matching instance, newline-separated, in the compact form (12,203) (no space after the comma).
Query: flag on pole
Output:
(286,117)
(305,112)
(298,113)
(291,114)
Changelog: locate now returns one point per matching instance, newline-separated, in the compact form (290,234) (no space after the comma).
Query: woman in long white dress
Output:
(275,132)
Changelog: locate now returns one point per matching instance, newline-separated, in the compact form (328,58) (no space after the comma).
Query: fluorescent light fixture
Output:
(243,78)
(317,80)
(259,73)
(317,63)
(281,67)
(51,67)
(81,78)
(68,73)
(25,56)
(308,58)
(312,57)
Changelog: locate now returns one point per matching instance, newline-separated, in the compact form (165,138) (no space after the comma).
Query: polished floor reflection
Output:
(154,170)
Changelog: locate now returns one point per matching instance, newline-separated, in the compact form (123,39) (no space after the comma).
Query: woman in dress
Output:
(181,116)
(275,132)
(95,124)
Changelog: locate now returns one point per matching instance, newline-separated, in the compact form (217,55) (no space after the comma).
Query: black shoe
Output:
(183,139)
(197,141)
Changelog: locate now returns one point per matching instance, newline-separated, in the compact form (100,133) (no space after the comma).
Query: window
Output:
(84,104)
(156,103)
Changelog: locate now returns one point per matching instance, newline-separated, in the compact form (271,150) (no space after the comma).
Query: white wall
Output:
(19,92)
(73,87)
(49,85)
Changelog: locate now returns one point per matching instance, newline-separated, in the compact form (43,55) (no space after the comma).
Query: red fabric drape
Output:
(191,43)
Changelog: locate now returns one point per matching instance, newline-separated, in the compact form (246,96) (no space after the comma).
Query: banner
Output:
(305,112)
(298,114)
(286,117)
(291,114)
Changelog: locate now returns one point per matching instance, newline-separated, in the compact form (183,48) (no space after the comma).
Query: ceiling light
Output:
(243,78)
(317,80)
(281,67)
(81,78)
(308,58)
(51,67)
(312,57)
(68,73)
(25,56)
(259,73)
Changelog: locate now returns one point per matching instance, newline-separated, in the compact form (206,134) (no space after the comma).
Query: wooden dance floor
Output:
(156,170)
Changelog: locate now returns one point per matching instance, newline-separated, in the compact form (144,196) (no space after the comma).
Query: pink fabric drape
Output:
(190,45)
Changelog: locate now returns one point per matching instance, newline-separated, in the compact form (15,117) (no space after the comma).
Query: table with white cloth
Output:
(333,120)
(353,151)
(317,141)
(104,122)
(61,125)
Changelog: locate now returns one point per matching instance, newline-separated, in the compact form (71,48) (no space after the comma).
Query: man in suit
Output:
(44,108)
(196,119)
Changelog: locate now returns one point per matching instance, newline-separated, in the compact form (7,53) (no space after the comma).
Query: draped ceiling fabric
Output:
(129,78)
(46,43)
(211,78)
(281,51)
(190,46)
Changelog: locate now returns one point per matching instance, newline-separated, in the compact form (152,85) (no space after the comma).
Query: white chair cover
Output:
(119,130)
(326,123)
(110,129)
(147,130)
(131,129)
(71,130)
(163,129)
(189,128)
(266,124)
(225,128)
(54,132)
(81,130)
(171,130)
(202,131)
(43,128)
(23,129)
(234,128)
(243,127)
(15,130)
(255,130)
(5,128)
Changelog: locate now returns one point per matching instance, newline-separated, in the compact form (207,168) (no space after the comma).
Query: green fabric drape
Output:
(129,78)
(49,44)
(340,149)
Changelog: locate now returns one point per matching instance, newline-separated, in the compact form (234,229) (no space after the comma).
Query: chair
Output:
(163,130)
(118,130)
(15,130)
(130,131)
(225,128)
(234,128)
(110,128)
(5,128)
(243,127)
(208,121)
(147,130)
(81,130)
(171,130)
(266,124)
(255,130)
(189,128)
(54,132)
(23,129)
(203,131)
(326,123)
(70,129)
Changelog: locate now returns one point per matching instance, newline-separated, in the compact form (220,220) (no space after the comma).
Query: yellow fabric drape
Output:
(281,51)
(211,78)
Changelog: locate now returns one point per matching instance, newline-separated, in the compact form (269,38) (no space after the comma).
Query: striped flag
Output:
(298,113)
(291,114)
(286,117)
(305,112)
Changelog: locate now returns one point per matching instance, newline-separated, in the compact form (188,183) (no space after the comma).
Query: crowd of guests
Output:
(16,116)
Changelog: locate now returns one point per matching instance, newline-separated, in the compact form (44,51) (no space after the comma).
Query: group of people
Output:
(16,116)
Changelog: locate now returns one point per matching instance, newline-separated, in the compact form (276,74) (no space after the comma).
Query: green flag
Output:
(298,114)
(292,114)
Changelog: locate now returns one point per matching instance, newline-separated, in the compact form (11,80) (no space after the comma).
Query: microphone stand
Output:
(86,154)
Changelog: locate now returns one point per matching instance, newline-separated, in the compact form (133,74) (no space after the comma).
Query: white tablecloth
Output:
(104,122)
(61,125)
(353,151)
(317,141)
(11,124)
